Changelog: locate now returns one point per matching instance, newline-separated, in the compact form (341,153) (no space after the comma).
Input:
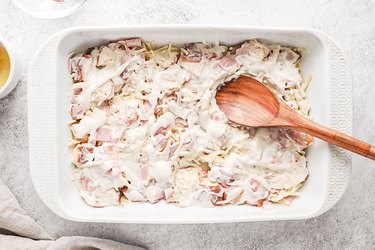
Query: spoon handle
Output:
(337,138)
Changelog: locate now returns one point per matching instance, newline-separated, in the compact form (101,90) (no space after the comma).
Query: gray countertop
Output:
(350,224)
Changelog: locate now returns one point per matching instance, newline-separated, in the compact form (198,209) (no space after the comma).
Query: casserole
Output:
(48,103)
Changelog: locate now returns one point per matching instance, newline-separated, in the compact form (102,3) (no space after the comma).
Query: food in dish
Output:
(146,126)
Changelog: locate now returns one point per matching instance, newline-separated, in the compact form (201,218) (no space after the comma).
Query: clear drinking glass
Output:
(49,9)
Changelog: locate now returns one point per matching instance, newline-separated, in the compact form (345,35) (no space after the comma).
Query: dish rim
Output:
(63,213)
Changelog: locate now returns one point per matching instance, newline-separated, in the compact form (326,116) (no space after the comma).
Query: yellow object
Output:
(4,66)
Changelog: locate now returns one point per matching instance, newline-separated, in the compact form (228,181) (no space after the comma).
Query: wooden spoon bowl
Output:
(248,102)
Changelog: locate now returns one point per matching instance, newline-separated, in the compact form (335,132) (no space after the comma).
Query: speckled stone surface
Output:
(349,225)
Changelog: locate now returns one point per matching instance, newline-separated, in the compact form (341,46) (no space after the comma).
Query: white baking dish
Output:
(330,95)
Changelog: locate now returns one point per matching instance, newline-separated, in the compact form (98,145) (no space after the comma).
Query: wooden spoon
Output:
(248,102)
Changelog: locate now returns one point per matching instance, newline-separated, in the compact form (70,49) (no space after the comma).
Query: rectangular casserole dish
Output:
(330,96)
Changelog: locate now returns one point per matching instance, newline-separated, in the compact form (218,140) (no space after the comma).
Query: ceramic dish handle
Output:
(41,141)
(341,112)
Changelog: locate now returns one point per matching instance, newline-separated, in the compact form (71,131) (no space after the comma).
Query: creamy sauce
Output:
(150,129)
